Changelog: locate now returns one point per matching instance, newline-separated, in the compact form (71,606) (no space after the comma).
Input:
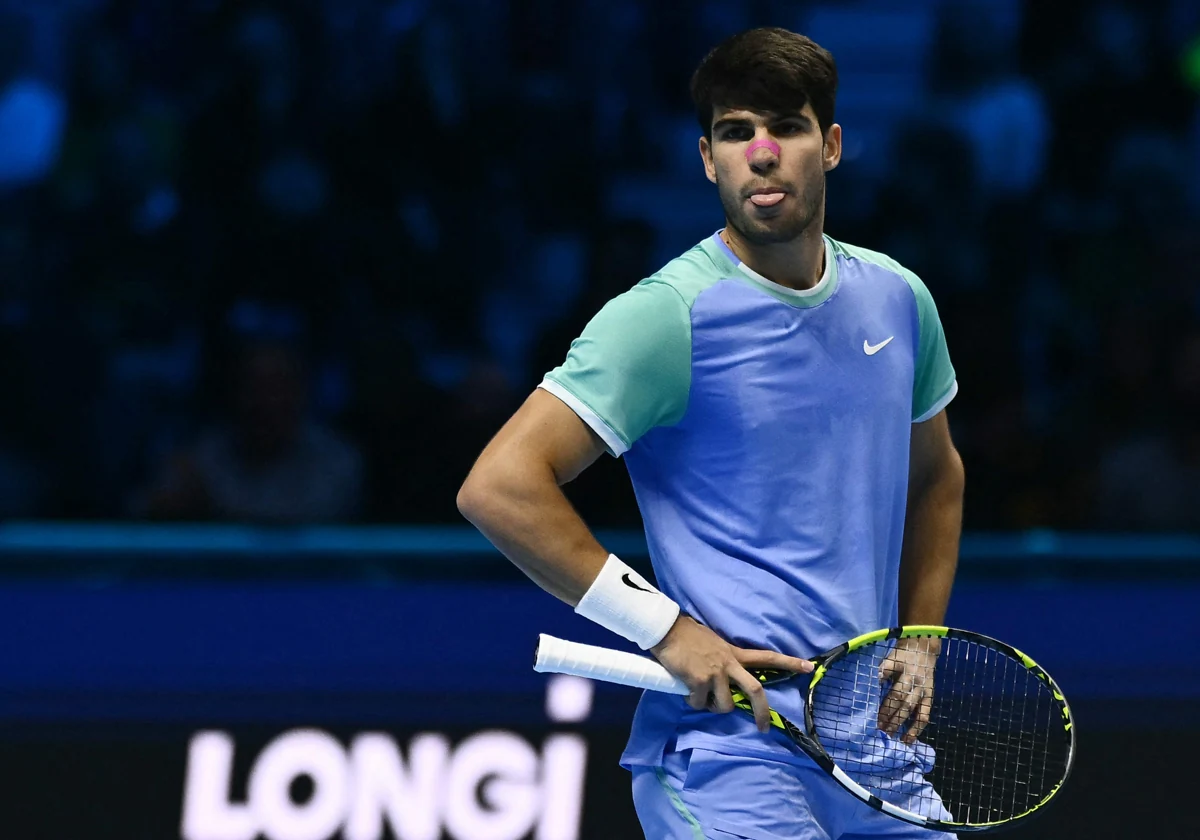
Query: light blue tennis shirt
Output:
(766,432)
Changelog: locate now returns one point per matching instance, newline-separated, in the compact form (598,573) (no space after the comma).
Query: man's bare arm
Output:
(514,496)
(933,523)
(927,565)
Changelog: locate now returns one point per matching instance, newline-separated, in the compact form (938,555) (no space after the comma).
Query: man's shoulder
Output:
(689,274)
(880,261)
(872,257)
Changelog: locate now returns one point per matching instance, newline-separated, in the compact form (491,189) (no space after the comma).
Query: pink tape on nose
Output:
(758,144)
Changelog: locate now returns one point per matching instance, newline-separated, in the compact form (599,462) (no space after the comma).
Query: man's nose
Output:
(763,154)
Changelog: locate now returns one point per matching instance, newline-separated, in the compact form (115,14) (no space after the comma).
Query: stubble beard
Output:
(773,231)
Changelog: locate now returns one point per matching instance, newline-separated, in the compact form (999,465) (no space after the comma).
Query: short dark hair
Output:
(765,69)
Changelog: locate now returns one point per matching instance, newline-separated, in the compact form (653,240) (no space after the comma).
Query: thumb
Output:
(891,669)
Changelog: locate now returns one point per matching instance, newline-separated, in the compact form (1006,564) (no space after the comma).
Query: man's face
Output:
(770,170)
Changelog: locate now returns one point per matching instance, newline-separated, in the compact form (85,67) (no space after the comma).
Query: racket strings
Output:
(994,746)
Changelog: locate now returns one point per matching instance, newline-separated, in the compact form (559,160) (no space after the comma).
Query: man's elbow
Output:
(494,484)
(472,495)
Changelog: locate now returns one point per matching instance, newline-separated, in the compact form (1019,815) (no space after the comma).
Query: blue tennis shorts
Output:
(698,794)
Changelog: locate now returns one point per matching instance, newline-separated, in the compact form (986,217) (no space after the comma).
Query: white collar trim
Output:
(788,290)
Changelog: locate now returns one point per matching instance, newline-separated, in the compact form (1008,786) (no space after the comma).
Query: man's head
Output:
(765,100)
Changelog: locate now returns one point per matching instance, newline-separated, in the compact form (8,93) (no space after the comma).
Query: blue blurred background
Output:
(368,228)
(272,273)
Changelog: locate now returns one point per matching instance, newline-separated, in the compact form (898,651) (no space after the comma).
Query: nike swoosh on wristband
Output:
(872,349)
(628,581)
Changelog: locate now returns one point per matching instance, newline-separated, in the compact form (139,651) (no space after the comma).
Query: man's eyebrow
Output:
(726,122)
(778,118)
(773,119)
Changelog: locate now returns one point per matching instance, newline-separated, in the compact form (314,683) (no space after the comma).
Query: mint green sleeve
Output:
(934,381)
(630,369)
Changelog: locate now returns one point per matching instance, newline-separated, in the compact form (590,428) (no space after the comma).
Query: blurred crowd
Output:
(297,261)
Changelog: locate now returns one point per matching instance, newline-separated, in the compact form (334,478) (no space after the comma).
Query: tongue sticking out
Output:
(767,199)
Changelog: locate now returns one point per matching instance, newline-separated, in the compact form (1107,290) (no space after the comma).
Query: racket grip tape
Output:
(558,656)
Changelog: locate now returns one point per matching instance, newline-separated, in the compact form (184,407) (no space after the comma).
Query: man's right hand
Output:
(708,664)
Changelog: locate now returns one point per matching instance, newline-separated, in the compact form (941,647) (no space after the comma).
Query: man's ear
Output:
(832,151)
(710,169)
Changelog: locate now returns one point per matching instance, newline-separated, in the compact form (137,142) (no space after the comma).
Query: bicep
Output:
(543,433)
(931,450)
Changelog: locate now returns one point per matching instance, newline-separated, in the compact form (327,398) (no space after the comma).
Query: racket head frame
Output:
(813,747)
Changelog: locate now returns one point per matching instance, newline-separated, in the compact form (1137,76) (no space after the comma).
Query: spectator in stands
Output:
(272,464)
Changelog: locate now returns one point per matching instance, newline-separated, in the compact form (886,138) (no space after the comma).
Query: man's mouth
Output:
(768,198)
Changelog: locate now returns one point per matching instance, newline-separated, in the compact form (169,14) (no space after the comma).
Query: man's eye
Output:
(788,129)
(738,134)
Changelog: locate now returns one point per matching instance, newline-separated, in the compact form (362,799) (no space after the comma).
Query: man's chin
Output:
(769,231)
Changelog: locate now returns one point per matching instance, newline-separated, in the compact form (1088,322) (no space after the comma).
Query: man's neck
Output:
(798,264)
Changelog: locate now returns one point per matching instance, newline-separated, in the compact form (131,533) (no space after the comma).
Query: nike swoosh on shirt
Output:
(872,349)
(628,581)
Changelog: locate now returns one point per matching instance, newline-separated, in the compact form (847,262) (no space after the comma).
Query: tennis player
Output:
(779,398)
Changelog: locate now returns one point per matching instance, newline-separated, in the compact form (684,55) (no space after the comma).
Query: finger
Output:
(699,697)
(897,706)
(903,709)
(920,719)
(770,659)
(888,708)
(908,705)
(890,669)
(720,696)
(757,696)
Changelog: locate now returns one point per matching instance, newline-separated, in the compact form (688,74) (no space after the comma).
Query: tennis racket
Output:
(998,746)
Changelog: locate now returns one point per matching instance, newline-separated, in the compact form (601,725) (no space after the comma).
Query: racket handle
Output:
(558,656)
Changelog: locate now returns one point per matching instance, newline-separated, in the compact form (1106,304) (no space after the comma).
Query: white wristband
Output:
(622,601)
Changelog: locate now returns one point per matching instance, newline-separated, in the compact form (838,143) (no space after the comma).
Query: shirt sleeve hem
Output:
(940,404)
(594,421)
